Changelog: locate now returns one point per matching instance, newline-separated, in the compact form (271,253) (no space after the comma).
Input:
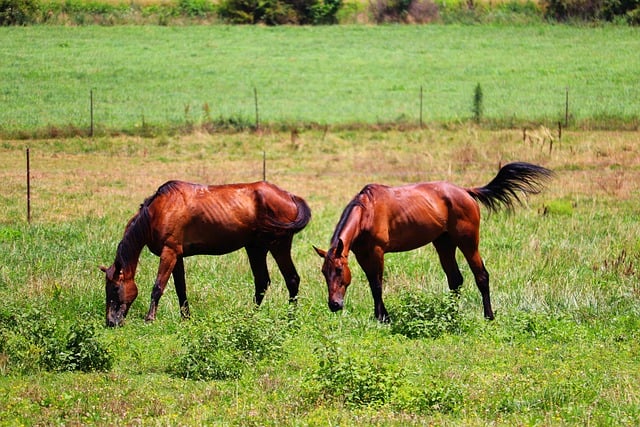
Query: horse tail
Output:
(273,224)
(512,179)
(304,214)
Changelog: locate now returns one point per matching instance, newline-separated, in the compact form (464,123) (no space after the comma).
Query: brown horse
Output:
(183,219)
(384,219)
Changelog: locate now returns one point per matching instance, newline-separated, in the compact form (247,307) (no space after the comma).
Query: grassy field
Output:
(563,350)
(151,78)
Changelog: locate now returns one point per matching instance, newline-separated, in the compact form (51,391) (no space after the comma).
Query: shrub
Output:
(396,11)
(360,380)
(278,12)
(564,10)
(79,351)
(219,349)
(590,10)
(196,8)
(36,340)
(417,315)
(18,12)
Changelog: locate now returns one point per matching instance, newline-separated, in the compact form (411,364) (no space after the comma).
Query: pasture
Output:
(338,75)
(563,350)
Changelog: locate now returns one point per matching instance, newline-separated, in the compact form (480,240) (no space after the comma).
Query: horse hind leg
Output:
(282,254)
(447,253)
(481,275)
(261,279)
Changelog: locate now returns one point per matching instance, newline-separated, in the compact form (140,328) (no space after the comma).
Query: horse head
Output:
(121,291)
(337,274)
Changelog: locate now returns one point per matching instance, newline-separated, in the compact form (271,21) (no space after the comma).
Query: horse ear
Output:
(340,247)
(103,268)
(322,253)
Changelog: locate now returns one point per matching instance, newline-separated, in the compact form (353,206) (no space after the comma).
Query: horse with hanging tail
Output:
(183,219)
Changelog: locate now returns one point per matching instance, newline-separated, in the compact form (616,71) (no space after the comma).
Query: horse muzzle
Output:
(336,305)
(116,315)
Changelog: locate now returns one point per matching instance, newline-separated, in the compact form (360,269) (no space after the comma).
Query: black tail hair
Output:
(512,179)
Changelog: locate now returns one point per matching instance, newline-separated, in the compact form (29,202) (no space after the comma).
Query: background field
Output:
(563,350)
(152,78)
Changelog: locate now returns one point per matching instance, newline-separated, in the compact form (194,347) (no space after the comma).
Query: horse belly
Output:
(408,240)
(412,235)
(215,241)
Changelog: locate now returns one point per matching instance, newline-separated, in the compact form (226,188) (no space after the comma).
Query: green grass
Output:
(149,77)
(563,350)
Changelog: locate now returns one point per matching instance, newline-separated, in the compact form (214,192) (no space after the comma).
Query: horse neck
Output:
(349,229)
(131,245)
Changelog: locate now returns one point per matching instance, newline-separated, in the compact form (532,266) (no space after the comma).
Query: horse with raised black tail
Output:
(183,219)
(383,219)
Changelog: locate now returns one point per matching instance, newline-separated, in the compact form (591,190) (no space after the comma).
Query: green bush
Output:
(417,315)
(592,10)
(278,12)
(403,11)
(79,351)
(196,8)
(360,380)
(18,12)
(219,349)
(36,340)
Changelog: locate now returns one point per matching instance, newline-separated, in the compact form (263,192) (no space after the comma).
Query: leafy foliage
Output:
(221,348)
(419,315)
(592,10)
(79,351)
(403,11)
(279,12)
(18,12)
(37,340)
(359,379)
(196,8)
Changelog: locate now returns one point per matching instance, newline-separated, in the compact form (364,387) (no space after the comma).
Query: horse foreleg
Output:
(181,287)
(373,266)
(168,260)
(258,262)
(282,254)
(447,253)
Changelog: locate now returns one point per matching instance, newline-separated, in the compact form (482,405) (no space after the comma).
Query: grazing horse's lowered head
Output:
(336,273)
(120,293)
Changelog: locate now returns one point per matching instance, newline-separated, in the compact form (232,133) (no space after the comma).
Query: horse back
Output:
(410,216)
(216,219)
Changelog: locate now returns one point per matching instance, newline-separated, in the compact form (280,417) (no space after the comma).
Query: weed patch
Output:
(37,340)
(222,348)
(355,378)
(419,315)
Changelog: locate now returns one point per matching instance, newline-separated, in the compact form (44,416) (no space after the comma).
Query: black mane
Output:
(346,213)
